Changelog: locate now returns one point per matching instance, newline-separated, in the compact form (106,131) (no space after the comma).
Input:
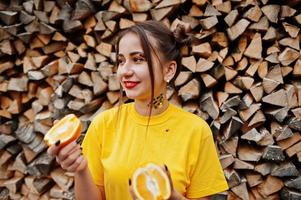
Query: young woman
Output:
(150,129)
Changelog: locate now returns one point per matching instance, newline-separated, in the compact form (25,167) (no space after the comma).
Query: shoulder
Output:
(110,115)
(197,124)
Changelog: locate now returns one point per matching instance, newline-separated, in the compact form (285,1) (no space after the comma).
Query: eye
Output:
(138,59)
(120,61)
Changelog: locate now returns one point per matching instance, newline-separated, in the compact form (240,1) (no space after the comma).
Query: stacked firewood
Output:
(242,76)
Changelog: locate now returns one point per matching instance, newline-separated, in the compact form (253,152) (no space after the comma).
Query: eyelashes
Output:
(136,60)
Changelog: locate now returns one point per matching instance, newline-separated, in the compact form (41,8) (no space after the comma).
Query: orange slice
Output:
(151,183)
(66,130)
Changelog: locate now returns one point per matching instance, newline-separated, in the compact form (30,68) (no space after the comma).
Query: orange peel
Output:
(151,183)
(65,130)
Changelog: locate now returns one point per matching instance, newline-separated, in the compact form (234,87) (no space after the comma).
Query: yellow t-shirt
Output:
(177,138)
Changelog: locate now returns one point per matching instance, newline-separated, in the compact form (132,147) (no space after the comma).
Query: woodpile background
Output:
(243,77)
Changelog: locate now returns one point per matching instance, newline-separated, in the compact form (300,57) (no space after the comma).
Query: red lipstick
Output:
(130,84)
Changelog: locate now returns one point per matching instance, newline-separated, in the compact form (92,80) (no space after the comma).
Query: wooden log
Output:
(208,80)
(203,50)
(232,177)
(228,114)
(261,25)
(231,88)
(292,30)
(99,85)
(104,49)
(294,184)
(288,56)
(57,192)
(232,127)
(287,11)
(254,49)
(237,29)
(209,105)
(230,146)
(203,65)
(286,169)
(264,168)
(195,11)
(279,114)
(253,14)
(8,17)
(239,164)
(297,69)
(226,160)
(290,42)
(61,179)
(273,153)
(211,11)
(183,77)
(161,13)
(278,98)
(209,22)
(189,63)
(241,191)
(139,5)
(252,135)
(249,153)
(5,66)
(293,149)
(271,12)
(289,194)
(244,82)
(190,91)
(253,179)
(13,184)
(231,17)
(270,185)
(294,123)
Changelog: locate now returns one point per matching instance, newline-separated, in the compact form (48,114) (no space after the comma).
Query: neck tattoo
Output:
(157,102)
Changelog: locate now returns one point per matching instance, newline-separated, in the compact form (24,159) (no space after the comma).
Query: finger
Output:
(66,150)
(169,176)
(54,149)
(75,165)
(132,193)
(55,121)
(83,164)
(71,158)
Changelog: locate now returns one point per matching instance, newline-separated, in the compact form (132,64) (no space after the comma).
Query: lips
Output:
(130,84)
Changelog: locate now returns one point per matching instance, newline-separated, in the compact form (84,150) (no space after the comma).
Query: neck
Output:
(143,107)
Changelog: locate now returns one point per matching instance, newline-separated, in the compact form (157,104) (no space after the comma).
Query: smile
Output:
(130,84)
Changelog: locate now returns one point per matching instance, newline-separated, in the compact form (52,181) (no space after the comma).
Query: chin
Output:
(131,95)
(134,95)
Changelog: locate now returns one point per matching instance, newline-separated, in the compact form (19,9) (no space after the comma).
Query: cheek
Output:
(118,74)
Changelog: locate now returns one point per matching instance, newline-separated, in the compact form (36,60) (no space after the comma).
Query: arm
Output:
(71,159)
(84,185)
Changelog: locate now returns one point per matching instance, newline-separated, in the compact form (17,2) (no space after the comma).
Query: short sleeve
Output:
(207,177)
(92,147)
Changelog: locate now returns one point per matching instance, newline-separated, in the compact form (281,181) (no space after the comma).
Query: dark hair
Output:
(168,43)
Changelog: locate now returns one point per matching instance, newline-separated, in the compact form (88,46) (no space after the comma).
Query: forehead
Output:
(130,42)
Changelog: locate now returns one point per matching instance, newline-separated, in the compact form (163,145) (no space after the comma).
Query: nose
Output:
(126,70)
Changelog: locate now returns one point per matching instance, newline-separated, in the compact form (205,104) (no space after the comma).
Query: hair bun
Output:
(182,38)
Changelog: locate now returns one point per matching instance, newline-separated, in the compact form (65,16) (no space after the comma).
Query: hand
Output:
(70,157)
(175,195)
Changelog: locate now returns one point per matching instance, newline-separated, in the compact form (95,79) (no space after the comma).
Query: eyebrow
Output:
(133,53)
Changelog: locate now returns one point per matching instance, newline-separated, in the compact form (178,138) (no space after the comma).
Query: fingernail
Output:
(130,182)
(57,143)
(165,167)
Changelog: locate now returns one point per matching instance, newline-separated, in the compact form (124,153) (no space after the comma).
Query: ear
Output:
(170,69)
